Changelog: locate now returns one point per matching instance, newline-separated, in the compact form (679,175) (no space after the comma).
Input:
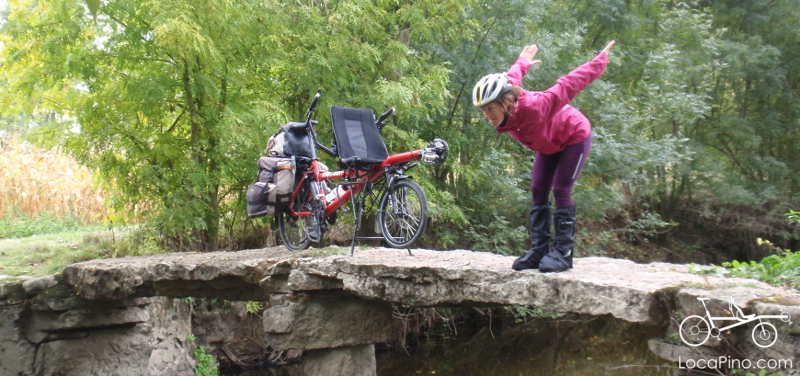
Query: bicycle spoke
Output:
(694,330)
(402,214)
(293,229)
(764,335)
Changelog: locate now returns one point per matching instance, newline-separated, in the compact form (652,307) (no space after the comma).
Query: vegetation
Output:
(39,183)
(206,363)
(781,268)
(776,269)
(49,253)
(170,102)
(254,307)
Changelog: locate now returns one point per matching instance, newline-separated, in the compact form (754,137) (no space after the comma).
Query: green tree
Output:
(174,99)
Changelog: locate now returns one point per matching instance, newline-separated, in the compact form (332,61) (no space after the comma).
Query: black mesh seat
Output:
(358,141)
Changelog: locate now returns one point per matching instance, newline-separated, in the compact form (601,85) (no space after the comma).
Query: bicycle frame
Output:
(357,178)
(711,319)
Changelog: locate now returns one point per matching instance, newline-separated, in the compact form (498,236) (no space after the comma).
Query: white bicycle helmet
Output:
(489,88)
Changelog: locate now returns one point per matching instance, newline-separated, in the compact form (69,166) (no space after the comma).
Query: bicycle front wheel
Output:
(765,335)
(694,330)
(403,213)
(294,229)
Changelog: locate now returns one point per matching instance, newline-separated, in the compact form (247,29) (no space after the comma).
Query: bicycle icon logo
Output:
(695,330)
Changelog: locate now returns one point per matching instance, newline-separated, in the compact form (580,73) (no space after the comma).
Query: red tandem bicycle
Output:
(367,170)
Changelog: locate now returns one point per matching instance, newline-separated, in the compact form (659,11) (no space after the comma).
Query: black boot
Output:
(540,238)
(560,258)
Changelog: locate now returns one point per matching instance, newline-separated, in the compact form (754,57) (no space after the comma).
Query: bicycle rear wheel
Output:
(694,330)
(294,229)
(403,213)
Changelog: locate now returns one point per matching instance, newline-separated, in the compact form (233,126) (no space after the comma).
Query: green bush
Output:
(254,307)
(794,217)
(781,269)
(776,269)
(206,364)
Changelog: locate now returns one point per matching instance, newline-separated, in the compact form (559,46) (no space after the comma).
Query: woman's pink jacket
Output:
(543,120)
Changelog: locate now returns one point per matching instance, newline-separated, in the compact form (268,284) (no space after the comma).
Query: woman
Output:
(560,135)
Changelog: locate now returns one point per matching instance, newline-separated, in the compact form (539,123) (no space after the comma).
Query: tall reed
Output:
(35,182)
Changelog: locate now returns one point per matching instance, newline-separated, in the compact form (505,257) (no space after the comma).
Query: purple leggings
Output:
(559,171)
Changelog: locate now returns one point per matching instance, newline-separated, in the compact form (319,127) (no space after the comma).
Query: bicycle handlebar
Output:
(386,114)
(313,106)
(311,123)
(382,119)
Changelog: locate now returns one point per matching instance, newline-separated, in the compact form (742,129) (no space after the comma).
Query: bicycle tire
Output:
(294,229)
(694,330)
(765,337)
(403,213)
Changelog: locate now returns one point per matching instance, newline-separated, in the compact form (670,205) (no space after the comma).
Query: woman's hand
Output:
(608,47)
(529,52)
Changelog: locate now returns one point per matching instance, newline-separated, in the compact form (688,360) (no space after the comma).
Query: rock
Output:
(16,354)
(788,310)
(322,320)
(676,353)
(278,319)
(147,338)
(299,281)
(223,275)
(88,319)
(597,286)
(171,325)
(351,361)
(118,351)
(215,324)
(35,286)
(321,302)
(11,290)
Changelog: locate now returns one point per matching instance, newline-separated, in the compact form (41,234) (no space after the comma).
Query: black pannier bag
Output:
(258,204)
(292,139)
(271,193)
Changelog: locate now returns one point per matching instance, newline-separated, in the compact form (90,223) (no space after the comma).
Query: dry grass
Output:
(35,181)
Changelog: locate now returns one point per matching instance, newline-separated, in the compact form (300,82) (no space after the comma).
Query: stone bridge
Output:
(336,307)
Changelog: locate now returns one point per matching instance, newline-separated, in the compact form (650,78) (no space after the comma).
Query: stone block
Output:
(278,319)
(85,318)
(10,350)
(118,351)
(170,320)
(11,291)
(38,285)
(320,320)
(349,361)
(300,281)
(146,339)
(674,353)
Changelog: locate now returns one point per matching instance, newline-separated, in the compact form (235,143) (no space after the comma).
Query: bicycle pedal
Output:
(312,234)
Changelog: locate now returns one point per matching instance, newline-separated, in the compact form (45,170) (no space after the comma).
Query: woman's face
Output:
(494,112)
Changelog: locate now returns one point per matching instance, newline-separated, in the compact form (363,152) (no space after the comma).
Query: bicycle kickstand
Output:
(358,210)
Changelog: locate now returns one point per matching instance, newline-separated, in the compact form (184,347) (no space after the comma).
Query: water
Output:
(570,345)
(573,346)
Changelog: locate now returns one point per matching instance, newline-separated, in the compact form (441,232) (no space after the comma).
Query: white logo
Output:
(695,330)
